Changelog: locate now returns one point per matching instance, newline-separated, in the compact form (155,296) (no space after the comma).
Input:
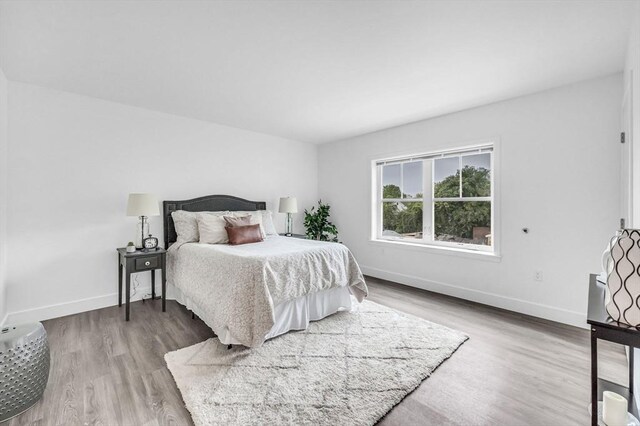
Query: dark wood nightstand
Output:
(605,328)
(141,261)
(301,236)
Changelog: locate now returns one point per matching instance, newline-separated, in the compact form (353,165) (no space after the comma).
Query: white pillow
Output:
(186,224)
(212,229)
(256,219)
(267,222)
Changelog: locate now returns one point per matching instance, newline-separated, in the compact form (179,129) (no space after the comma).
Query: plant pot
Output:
(623,280)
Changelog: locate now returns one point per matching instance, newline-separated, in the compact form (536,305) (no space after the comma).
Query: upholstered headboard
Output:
(210,203)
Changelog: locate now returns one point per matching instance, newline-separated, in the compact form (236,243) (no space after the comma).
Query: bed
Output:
(253,292)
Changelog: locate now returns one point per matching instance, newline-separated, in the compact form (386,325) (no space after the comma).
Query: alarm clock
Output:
(149,243)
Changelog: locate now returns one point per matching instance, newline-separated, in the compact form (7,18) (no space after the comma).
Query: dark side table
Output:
(605,328)
(141,261)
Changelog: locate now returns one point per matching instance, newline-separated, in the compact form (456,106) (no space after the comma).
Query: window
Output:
(439,199)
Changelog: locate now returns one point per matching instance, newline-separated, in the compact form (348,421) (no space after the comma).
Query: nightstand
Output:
(603,327)
(141,261)
(301,236)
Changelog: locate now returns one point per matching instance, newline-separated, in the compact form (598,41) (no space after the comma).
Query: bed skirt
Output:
(290,315)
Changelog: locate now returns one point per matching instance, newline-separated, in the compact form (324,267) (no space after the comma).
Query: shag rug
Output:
(348,369)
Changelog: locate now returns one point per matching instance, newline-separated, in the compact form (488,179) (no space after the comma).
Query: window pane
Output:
(412,180)
(402,220)
(476,175)
(446,182)
(391,181)
(466,222)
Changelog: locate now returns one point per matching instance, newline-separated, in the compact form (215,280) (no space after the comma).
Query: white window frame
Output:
(428,216)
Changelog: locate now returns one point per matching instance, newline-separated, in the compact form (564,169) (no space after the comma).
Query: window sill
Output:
(442,250)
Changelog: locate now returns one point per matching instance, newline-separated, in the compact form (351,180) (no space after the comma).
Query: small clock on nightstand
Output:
(150,243)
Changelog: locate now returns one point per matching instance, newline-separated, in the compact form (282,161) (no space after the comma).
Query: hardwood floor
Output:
(514,369)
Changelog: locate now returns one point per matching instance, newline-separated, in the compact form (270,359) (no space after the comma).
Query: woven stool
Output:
(24,368)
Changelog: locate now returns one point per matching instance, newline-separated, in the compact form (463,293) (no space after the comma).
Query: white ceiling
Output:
(310,70)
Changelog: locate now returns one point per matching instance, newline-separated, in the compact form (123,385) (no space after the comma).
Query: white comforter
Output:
(237,286)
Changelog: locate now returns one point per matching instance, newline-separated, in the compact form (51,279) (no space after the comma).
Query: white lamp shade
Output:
(288,205)
(143,205)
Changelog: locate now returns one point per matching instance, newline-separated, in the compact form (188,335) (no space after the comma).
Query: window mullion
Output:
(402,180)
(460,172)
(462,200)
(432,204)
(427,196)
(377,219)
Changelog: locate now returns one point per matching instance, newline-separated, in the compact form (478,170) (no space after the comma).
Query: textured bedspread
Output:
(237,286)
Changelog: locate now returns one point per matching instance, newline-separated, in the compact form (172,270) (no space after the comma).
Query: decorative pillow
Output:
(211,228)
(244,234)
(238,221)
(256,218)
(186,224)
(267,223)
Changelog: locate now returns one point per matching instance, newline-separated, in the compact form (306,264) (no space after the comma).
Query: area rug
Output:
(350,369)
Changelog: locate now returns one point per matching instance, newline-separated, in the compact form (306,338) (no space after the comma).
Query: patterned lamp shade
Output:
(623,279)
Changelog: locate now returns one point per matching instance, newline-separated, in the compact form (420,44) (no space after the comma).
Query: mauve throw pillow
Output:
(244,234)
(256,217)
(238,221)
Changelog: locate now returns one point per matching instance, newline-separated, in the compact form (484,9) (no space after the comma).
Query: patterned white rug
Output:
(349,369)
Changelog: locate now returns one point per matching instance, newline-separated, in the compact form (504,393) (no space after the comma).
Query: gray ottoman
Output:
(24,367)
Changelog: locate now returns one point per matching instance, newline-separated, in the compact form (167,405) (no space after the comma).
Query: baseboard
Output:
(577,319)
(69,308)
(552,313)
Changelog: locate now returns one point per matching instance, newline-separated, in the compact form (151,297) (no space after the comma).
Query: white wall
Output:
(72,162)
(559,173)
(632,84)
(3,195)
(632,81)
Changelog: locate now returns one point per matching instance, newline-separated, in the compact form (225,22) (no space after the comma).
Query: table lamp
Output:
(143,206)
(288,205)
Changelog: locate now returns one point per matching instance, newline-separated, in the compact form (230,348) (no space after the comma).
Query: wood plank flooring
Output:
(514,369)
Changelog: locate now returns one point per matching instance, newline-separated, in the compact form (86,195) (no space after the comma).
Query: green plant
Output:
(130,243)
(317,224)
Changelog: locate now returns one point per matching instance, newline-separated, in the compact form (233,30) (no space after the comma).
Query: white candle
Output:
(614,409)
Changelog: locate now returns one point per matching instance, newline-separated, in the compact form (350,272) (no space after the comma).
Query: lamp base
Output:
(288,226)
(142,229)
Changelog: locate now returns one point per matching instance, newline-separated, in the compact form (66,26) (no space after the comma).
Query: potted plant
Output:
(131,247)
(317,223)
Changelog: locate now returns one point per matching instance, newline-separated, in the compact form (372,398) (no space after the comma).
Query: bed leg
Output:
(229,346)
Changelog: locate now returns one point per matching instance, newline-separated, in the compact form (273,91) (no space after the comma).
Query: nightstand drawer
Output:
(147,263)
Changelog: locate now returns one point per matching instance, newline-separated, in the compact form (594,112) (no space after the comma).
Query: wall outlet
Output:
(538,276)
